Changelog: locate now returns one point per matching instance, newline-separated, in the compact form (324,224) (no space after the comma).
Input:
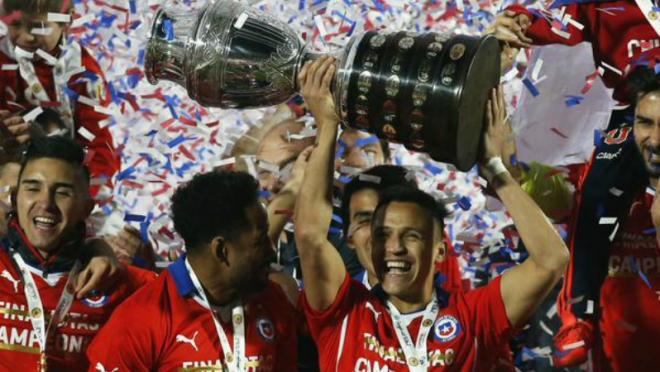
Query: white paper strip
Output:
(30,116)
(59,17)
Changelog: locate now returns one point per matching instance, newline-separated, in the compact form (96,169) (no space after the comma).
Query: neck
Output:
(410,305)
(42,252)
(653,182)
(217,291)
(371,279)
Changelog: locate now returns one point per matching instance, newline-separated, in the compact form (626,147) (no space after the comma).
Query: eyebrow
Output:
(55,185)
(362,214)
(643,118)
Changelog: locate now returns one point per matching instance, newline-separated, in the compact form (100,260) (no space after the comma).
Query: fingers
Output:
(83,277)
(22,139)
(495,105)
(502,102)
(323,70)
(489,114)
(302,75)
(14,120)
(318,73)
(512,37)
(304,155)
(94,281)
(328,76)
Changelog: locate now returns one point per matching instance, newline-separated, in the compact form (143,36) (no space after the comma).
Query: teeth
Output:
(44,220)
(397,265)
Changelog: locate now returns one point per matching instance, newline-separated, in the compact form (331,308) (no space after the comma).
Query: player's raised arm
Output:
(525,286)
(322,267)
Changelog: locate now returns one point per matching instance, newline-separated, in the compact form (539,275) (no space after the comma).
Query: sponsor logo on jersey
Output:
(447,328)
(188,340)
(266,329)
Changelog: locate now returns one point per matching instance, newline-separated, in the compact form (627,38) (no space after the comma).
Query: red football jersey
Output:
(19,345)
(617,30)
(165,327)
(630,302)
(356,332)
(91,84)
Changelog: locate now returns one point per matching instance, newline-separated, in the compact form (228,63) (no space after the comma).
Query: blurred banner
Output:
(557,125)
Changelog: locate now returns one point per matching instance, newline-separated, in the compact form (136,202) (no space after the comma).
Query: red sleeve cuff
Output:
(323,315)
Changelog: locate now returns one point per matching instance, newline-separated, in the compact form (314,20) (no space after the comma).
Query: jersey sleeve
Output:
(325,326)
(541,30)
(124,343)
(487,313)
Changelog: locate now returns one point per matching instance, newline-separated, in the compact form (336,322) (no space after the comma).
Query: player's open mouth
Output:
(397,267)
(45,223)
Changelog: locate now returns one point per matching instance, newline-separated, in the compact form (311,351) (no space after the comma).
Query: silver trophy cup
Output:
(427,91)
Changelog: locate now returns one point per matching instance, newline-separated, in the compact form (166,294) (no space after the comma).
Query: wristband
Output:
(493,168)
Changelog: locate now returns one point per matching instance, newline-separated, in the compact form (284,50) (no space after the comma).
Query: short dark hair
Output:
(37,7)
(213,204)
(388,176)
(47,116)
(56,147)
(640,82)
(404,194)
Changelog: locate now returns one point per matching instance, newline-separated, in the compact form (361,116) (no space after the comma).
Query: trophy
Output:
(427,91)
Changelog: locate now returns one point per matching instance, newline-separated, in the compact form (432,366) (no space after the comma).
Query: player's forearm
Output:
(279,211)
(314,204)
(546,248)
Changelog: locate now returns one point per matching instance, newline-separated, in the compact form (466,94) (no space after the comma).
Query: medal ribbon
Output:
(416,354)
(234,357)
(35,306)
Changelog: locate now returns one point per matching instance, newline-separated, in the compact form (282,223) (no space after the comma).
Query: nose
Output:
(655,137)
(356,158)
(393,245)
(46,200)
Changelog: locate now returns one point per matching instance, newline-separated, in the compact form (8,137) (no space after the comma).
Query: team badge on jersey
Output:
(96,299)
(447,328)
(266,329)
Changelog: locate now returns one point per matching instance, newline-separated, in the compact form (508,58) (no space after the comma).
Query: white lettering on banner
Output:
(629,265)
(436,357)
(643,45)
(608,155)
(637,241)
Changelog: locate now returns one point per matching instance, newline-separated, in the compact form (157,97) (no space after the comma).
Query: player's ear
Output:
(219,249)
(440,250)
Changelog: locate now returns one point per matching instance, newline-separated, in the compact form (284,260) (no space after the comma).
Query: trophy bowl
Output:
(427,91)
